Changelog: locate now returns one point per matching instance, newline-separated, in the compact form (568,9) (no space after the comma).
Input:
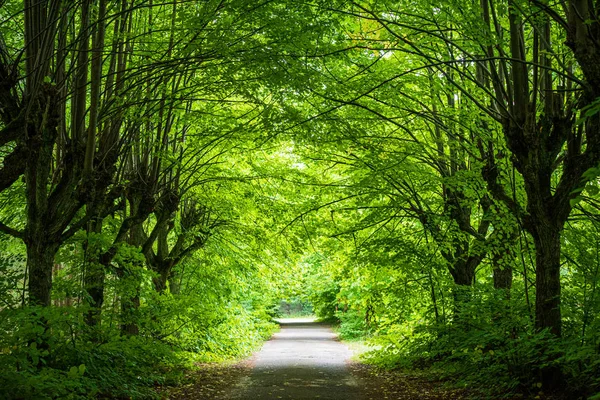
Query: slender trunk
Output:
(94,280)
(433,297)
(94,284)
(130,302)
(160,263)
(503,276)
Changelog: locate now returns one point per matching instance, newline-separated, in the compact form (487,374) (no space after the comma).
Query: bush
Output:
(352,324)
(50,353)
(500,352)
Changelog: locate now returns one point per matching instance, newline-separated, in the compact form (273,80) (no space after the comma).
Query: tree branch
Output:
(11,231)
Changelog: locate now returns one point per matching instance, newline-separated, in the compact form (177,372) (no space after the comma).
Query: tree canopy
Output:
(426,174)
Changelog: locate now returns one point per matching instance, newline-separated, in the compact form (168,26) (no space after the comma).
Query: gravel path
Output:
(303,361)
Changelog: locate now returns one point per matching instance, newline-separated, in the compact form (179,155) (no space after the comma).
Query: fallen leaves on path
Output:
(215,382)
(218,381)
(208,382)
(379,384)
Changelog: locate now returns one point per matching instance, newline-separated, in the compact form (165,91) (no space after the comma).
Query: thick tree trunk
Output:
(40,263)
(463,271)
(547,273)
(463,274)
(129,307)
(40,260)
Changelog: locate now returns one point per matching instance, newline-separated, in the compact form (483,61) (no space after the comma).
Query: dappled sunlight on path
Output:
(302,361)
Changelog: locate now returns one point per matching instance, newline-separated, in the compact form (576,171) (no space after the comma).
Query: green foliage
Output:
(363,158)
(484,342)
(52,354)
(352,324)
(490,345)
(322,289)
(296,307)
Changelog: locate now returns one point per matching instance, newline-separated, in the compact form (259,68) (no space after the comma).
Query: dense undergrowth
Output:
(54,353)
(488,345)
(62,358)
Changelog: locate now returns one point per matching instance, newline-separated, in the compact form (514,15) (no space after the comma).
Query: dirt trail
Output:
(303,361)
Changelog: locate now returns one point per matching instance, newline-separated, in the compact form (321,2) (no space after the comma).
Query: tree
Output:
(523,89)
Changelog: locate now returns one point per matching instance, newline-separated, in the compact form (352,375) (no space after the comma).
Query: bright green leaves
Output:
(76,372)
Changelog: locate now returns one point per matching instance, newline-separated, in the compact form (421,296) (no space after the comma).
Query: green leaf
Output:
(73,372)
(592,190)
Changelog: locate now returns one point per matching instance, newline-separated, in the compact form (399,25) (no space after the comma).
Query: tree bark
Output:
(160,281)
(129,307)
(130,302)
(502,268)
(94,284)
(40,260)
(503,276)
(547,273)
(174,282)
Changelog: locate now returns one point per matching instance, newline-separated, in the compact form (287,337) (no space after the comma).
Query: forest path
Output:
(302,361)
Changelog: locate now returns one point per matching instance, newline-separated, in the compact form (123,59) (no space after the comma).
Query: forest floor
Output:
(305,361)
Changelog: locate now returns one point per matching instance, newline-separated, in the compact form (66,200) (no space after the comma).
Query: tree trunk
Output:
(40,263)
(502,271)
(503,276)
(160,281)
(174,282)
(94,277)
(160,262)
(94,286)
(547,274)
(463,274)
(130,302)
(40,260)
(129,307)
